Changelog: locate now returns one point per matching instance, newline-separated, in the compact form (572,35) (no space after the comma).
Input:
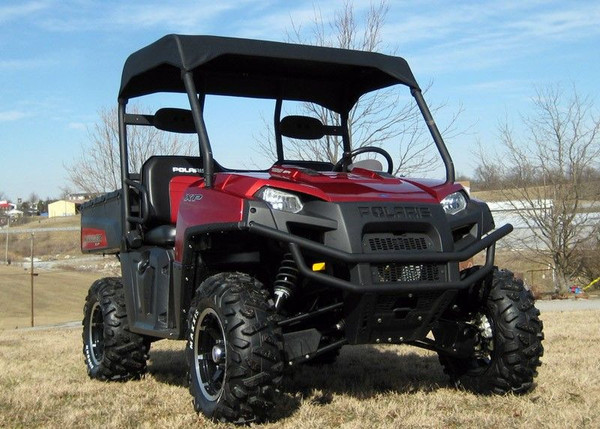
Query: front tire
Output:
(234,349)
(111,351)
(508,341)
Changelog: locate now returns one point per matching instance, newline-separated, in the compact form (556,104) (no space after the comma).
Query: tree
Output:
(33,199)
(549,176)
(379,117)
(97,169)
(590,261)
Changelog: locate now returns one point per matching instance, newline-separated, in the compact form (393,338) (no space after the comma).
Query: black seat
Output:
(156,175)
(157,172)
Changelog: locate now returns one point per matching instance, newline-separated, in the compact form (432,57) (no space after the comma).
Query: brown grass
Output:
(53,222)
(43,383)
(58,296)
(46,244)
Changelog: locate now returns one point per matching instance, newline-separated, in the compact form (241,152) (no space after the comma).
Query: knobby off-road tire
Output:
(234,349)
(510,353)
(111,352)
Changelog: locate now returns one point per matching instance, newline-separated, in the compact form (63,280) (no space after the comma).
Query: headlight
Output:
(280,200)
(454,203)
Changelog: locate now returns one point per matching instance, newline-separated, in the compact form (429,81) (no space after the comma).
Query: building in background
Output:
(62,208)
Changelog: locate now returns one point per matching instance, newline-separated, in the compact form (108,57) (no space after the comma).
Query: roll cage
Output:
(202,65)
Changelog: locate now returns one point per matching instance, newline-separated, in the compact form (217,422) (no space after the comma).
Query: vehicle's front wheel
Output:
(508,341)
(234,349)
(111,352)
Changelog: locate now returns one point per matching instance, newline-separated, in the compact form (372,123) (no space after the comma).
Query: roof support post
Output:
(347,144)
(197,114)
(435,133)
(124,167)
(277,128)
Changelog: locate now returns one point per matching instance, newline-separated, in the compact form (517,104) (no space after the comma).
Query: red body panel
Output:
(360,185)
(193,205)
(200,206)
(93,239)
(177,187)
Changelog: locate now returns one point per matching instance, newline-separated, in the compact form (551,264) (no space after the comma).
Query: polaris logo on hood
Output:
(187,170)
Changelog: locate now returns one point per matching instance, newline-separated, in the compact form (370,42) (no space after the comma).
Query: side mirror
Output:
(174,120)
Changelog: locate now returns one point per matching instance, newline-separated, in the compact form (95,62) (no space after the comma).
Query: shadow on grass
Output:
(361,372)
(168,366)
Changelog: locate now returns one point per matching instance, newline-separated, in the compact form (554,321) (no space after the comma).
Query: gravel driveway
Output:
(568,304)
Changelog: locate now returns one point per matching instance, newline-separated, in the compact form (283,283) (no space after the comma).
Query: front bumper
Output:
(298,244)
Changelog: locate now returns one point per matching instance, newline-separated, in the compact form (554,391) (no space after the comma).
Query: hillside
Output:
(47,244)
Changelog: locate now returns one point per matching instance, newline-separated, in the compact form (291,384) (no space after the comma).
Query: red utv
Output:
(262,270)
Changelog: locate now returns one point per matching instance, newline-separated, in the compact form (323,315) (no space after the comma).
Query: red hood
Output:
(360,185)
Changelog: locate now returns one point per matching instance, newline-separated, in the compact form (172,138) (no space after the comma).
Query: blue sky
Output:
(61,62)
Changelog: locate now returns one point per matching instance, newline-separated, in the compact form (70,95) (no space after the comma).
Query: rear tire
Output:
(234,349)
(509,341)
(111,352)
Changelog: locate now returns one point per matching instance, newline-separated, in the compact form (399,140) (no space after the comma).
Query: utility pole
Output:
(32,279)
(6,249)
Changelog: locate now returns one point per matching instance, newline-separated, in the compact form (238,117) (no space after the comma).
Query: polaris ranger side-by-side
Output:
(262,270)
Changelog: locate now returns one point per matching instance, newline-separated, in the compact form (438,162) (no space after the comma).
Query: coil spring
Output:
(287,276)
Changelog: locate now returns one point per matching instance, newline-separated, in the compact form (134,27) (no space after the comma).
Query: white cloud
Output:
(182,15)
(495,85)
(26,64)
(12,115)
(79,126)
(485,34)
(8,13)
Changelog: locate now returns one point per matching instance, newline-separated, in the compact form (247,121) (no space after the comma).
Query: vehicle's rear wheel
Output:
(111,352)
(508,341)
(234,349)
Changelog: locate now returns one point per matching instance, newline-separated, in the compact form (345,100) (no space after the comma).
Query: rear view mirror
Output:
(301,127)
(174,120)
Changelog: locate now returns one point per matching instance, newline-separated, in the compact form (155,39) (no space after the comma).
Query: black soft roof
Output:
(334,78)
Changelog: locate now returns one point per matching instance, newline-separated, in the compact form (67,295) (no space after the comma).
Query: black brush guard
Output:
(297,244)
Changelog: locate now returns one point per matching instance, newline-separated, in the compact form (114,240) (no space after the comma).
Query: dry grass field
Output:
(43,383)
(47,244)
(58,295)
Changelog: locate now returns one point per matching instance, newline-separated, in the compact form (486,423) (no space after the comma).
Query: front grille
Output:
(389,242)
(393,272)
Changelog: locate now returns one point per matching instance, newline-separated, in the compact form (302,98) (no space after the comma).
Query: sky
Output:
(61,63)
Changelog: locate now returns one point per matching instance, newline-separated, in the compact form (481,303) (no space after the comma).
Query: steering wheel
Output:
(342,164)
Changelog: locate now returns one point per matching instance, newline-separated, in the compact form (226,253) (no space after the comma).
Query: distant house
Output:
(62,208)
(9,212)
(5,206)
(81,198)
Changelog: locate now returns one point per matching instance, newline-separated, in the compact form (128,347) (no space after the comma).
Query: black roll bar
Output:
(277,129)
(197,114)
(124,167)
(435,133)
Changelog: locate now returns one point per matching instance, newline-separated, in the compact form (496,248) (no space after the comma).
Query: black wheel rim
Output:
(210,354)
(96,334)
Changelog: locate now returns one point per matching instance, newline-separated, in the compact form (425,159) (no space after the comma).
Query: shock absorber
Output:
(286,279)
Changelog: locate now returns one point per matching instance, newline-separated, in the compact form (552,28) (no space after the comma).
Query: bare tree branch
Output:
(97,169)
(546,178)
(381,118)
